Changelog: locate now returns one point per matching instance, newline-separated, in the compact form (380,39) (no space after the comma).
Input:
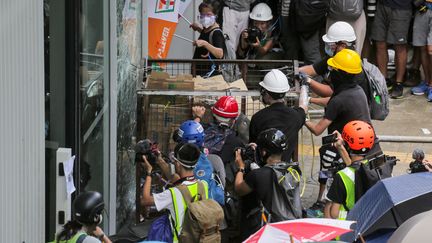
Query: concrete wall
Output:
(22,166)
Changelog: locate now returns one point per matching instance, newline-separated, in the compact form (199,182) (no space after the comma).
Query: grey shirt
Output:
(239,5)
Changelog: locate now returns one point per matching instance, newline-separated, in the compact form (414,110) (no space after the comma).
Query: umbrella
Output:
(301,230)
(392,201)
(415,229)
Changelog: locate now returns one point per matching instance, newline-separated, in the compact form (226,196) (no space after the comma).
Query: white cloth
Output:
(234,22)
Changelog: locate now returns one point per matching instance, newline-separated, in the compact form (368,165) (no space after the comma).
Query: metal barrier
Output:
(252,71)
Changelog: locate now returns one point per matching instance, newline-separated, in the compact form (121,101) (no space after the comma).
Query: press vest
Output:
(348,179)
(74,239)
(180,206)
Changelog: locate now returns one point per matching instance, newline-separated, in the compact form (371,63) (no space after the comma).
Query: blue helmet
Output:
(191,132)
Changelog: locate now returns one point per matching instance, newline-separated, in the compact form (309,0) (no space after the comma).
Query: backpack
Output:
(378,93)
(230,71)
(215,137)
(367,174)
(202,218)
(286,203)
(310,15)
(160,229)
(204,171)
(345,10)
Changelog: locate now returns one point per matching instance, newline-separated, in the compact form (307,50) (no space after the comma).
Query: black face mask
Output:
(341,81)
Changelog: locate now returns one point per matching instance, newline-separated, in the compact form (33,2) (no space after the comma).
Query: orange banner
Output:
(160,36)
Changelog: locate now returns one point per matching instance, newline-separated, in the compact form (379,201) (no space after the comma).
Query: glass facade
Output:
(77,91)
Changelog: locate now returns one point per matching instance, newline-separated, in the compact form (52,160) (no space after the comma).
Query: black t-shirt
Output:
(288,120)
(227,154)
(348,105)
(321,68)
(398,4)
(261,182)
(218,41)
(337,192)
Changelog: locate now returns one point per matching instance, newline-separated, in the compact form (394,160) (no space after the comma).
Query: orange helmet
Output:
(359,136)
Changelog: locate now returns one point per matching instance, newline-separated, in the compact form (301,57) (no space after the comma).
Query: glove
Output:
(303,78)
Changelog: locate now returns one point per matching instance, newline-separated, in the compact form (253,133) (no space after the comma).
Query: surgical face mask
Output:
(329,49)
(207,21)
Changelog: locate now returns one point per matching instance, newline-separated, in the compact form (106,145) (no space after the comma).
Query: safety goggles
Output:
(202,16)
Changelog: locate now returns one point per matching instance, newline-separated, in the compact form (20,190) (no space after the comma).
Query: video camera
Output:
(253,34)
(149,149)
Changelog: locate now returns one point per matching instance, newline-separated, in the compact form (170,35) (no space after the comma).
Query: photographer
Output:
(261,187)
(419,164)
(356,140)
(258,41)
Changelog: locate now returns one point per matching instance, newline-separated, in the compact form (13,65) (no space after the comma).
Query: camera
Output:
(417,166)
(253,34)
(248,157)
(329,139)
(149,149)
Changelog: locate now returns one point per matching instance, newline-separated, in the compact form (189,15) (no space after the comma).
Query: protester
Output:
(339,36)
(390,27)
(220,137)
(348,101)
(257,42)
(235,20)
(259,186)
(87,209)
(422,38)
(211,42)
(185,159)
(356,140)
(277,114)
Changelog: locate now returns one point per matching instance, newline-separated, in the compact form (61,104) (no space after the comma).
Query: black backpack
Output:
(368,174)
(310,15)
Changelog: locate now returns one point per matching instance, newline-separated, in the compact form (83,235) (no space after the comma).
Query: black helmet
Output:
(187,154)
(88,207)
(272,140)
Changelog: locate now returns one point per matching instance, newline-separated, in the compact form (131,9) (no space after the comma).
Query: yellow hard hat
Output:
(346,60)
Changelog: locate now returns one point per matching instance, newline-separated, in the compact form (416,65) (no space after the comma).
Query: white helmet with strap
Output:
(340,31)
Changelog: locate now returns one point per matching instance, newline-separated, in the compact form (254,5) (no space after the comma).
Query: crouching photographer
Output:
(257,42)
(270,193)
(419,164)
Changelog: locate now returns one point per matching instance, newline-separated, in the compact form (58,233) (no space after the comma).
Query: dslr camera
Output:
(149,149)
(248,156)
(253,34)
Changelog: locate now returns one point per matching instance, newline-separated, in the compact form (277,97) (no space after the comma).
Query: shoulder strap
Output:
(201,191)
(186,194)
(81,238)
(211,34)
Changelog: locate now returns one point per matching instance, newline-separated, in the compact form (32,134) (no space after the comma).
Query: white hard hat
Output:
(340,31)
(275,81)
(261,12)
